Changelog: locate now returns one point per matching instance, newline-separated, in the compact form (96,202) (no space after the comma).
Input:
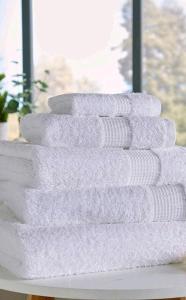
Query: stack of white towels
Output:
(99,186)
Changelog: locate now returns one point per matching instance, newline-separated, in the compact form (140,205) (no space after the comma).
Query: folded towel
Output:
(68,131)
(111,205)
(46,251)
(134,104)
(38,166)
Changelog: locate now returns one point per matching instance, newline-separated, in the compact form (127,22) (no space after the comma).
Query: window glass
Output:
(10,50)
(82,44)
(165,58)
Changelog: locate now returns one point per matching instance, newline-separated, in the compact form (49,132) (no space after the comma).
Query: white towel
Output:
(67,131)
(111,205)
(134,104)
(38,166)
(31,252)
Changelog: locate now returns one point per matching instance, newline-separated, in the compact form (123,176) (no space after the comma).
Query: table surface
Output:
(143,283)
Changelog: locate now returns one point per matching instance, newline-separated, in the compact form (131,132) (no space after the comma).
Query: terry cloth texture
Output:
(96,205)
(133,104)
(67,131)
(46,251)
(44,167)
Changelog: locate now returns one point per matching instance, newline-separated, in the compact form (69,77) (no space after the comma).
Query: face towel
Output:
(96,205)
(45,167)
(131,104)
(46,251)
(67,131)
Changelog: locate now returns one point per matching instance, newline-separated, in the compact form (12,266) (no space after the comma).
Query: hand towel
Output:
(67,131)
(46,251)
(44,167)
(133,104)
(96,205)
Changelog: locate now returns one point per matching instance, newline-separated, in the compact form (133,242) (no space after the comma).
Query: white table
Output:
(143,283)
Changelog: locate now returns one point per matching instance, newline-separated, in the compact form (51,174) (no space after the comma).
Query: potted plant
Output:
(3,112)
(18,101)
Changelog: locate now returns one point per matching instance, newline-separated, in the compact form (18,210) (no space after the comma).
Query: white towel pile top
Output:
(98,185)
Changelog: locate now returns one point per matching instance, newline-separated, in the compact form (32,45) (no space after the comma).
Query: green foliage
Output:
(3,99)
(2,76)
(164,51)
(12,106)
(26,109)
(4,116)
(19,101)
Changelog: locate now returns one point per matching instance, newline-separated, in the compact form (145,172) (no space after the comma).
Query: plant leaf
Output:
(17,82)
(2,76)
(42,90)
(26,109)
(4,116)
(12,106)
(3,98)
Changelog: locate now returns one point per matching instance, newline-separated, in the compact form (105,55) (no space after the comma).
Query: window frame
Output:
(137,25)
(27,43)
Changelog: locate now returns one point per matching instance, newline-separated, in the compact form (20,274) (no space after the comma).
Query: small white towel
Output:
(134,104)
(43,167)
(111,205)
(67,131)
(32,252)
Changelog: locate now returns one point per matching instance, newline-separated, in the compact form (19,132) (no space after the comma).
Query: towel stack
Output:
(99,186)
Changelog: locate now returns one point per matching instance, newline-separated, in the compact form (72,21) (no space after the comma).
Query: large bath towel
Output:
(33,252)
(67,131)
(44,167)
(96,205)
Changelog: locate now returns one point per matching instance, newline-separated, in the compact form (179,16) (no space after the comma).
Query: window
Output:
(87,50)
(80,45)
(10,50)
(164,58)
